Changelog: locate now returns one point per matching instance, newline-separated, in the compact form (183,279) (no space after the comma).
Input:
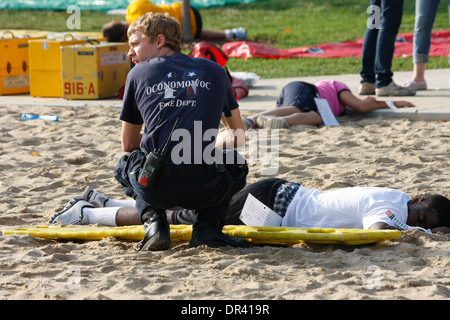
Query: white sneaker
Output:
(72,213)
(394,90)
(96,198)
(261,121)
(271,122)
(239,33)
(367,88)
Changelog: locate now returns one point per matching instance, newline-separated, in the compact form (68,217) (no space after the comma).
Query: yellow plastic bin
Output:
(94,70)
(14,63)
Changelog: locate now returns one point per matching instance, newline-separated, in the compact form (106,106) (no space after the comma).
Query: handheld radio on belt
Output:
(153,163)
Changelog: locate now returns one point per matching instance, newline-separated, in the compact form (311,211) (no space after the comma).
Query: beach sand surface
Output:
(43,164)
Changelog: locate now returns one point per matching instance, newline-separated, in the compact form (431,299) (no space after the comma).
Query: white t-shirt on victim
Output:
(346,208)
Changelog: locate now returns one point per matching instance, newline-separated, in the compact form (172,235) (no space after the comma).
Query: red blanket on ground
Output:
(440,46)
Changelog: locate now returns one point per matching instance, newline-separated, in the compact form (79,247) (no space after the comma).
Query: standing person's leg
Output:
(426,11)
(391,18)
(370,40)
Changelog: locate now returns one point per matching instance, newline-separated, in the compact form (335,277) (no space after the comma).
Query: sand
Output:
(43,164)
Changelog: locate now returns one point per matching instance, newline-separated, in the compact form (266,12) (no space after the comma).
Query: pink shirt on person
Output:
(329,90)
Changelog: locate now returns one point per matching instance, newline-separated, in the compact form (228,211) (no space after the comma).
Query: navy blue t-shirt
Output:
(196,91)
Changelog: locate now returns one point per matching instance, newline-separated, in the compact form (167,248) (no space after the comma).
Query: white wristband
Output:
(391,104)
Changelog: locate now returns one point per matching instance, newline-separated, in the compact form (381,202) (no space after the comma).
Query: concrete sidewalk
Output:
(432,104)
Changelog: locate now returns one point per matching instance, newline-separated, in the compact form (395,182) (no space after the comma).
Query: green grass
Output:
(309,22)
(52,20)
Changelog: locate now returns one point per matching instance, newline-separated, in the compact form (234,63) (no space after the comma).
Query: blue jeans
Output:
(425,14)
(379,43)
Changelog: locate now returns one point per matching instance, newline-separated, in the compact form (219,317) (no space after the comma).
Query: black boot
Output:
(157,232)
(209,232)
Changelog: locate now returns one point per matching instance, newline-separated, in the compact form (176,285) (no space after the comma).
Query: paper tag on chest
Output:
(257,214)
(325,112)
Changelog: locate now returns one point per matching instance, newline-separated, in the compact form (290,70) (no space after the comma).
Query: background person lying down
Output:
(296,105)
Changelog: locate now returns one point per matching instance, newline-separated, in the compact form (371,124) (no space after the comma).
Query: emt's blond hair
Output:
(153,24)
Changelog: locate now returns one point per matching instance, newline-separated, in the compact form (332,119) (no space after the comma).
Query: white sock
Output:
(119,203)
(103,216)
(229,34)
